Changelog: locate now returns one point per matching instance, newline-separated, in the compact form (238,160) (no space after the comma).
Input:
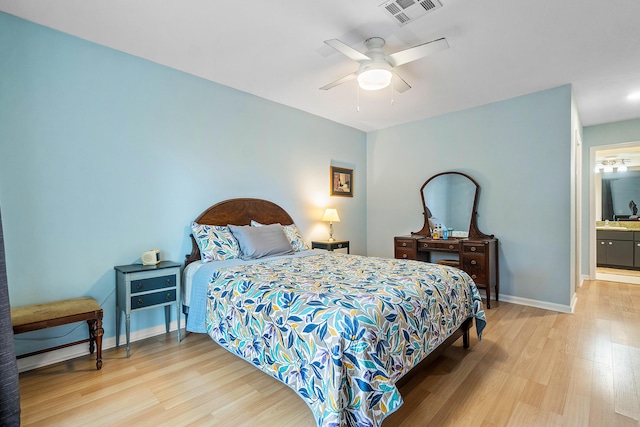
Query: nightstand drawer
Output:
(143,285)
(155,298)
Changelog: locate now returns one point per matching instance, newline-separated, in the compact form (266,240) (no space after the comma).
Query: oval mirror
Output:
(449,199)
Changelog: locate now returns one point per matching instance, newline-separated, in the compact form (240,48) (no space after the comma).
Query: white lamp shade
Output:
(331,215)
(374,79)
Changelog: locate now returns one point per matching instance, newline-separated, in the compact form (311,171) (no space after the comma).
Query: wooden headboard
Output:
(238,212)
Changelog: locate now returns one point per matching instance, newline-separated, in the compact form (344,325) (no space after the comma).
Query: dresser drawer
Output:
(474,266)
(144,285)
(405,243)
(442,245)
(473,248)
(402,253)
(155,298)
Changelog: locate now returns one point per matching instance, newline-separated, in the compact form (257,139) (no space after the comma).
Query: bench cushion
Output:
(39,316)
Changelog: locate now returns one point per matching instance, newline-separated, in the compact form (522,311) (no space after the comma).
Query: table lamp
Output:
(331,215)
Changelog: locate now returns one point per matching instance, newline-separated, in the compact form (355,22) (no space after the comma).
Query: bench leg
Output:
(92,337)
(95,340)
(99,332)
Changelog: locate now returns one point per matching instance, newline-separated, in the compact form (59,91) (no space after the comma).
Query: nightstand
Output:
(139,287)
(330,245)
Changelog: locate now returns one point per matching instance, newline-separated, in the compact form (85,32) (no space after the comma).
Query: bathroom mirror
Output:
(450,199)
(620,195)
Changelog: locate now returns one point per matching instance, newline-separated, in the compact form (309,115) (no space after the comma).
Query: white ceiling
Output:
(274,49)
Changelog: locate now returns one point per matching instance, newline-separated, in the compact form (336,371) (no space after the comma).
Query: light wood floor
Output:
(533,368)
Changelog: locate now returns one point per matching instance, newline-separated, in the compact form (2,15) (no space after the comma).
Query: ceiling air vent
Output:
(405,11)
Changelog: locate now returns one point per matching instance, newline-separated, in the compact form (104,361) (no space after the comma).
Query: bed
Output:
(343,331)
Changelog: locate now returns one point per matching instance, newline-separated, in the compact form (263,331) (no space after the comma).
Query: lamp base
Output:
(331,239)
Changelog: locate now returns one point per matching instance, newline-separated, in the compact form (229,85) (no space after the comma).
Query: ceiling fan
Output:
(376,69)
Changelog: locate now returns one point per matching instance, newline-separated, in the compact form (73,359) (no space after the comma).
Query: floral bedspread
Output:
(339,329)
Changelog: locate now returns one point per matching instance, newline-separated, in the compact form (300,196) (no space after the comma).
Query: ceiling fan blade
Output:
(417,52)
(399,84)
(339,81)
(347,50)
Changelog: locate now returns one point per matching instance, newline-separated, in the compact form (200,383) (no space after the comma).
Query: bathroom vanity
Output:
(618,249)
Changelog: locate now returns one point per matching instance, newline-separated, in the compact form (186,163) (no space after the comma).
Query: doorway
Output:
(617,157)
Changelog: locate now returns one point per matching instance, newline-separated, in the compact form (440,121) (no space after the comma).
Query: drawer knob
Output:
(425,245)
(451,246)
(473,262)
(404,255)
(473,276)
(140,301)
(404,243)
(473,248)
(168,281)
(139,286)
(169,296)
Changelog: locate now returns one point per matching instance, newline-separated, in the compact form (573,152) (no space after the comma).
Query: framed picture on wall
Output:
(341,182)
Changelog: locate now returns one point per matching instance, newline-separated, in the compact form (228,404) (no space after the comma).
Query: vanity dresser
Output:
(449,201)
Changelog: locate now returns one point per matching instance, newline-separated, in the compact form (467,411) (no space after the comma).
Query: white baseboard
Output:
(583,279)
(540,304)
(55,356)
(634,280)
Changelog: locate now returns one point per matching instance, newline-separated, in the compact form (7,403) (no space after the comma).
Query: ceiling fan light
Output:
(622,167)
(608,169)
(374,79)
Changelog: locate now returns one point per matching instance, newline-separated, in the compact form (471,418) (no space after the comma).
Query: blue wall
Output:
(524,191)
(104,155)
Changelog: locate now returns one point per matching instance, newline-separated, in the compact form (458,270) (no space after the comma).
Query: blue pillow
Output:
(293,234)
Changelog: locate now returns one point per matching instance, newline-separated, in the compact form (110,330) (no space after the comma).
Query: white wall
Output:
(104,155)
(525,193)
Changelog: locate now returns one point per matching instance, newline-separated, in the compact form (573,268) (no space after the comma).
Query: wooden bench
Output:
(40,316)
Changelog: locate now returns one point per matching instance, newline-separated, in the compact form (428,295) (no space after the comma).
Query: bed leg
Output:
(466,327)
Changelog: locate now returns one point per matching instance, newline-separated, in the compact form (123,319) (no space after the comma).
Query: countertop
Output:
(619,226)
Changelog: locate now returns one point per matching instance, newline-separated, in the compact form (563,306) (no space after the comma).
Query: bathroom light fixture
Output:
(607,166)
(331,215)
